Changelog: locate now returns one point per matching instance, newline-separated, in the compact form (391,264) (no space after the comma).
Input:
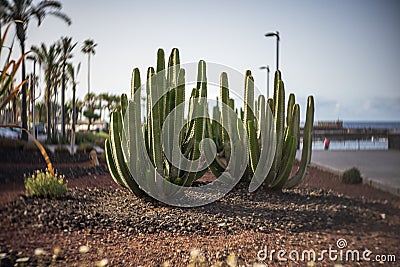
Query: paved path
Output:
(380,169)
(53,147)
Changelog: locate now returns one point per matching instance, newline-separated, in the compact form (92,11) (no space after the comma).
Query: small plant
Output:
(56,253)
(84,250)
(351,176)
(84,148)
(61,149)
(82,138)
(45,184)
(102,157)
(39,252)
(100,142)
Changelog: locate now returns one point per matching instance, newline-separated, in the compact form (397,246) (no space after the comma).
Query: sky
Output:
(344,53)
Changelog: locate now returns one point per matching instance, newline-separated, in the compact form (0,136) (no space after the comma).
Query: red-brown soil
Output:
(370,220)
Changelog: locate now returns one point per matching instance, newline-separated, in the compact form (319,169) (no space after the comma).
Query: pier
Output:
(334,130)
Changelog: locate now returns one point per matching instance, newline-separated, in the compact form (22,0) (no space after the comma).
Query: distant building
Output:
(329,125)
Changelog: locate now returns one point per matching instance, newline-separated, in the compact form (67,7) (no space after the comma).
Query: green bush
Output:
(45,185)
(91,138)
(82,138)
(100,142)
(55,139)
(351,176)
(102,157)
(84,148)
(61,149)
(101,134)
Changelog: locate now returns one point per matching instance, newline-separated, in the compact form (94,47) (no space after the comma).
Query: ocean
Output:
(372,124)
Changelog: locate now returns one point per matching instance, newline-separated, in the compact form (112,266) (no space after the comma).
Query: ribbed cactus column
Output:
(199,110)
(279,120)
(262,117)
(224,94)
(216,126)
(174,98)
(249,121)
(307,146)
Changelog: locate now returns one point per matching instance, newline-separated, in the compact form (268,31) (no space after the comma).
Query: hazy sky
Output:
(345,53)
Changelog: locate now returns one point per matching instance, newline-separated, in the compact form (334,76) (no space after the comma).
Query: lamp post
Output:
(275,34)
(266,68)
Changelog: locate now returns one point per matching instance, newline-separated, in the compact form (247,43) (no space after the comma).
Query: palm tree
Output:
(20,12)
(48,58)
(79,108)
(90,112)
(112,103)
(103,100)
(40,107)
(56,82)
(73,73)
(88,48)
(66,48)
(68,110)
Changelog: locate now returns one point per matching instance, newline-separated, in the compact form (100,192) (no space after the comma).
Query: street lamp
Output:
(275,34)
(266,68)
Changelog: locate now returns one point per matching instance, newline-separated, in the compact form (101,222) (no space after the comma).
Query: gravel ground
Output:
(127,231)
(111,218)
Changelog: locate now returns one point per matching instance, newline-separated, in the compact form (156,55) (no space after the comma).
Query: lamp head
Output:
(271,34)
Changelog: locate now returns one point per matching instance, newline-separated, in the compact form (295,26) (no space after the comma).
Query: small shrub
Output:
(56,139)
(81,138)
(44,184)
(351,176)
(102,157)
(61,149)
(100,142)
(84,148)
(65,140)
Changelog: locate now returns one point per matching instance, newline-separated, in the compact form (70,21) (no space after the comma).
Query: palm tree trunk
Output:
(73,109)
(48,107)
(63,102)
(88,73)
(101,108)
(73,119)
(24,114)
(14,110)
(55,129)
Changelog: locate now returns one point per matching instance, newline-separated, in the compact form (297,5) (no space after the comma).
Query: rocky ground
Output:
(99,221)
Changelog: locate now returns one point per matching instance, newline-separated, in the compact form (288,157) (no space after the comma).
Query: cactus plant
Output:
(259,119)
(287,136)
(174,145)
(164,115)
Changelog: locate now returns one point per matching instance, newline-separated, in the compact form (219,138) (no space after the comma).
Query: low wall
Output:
(394,141)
